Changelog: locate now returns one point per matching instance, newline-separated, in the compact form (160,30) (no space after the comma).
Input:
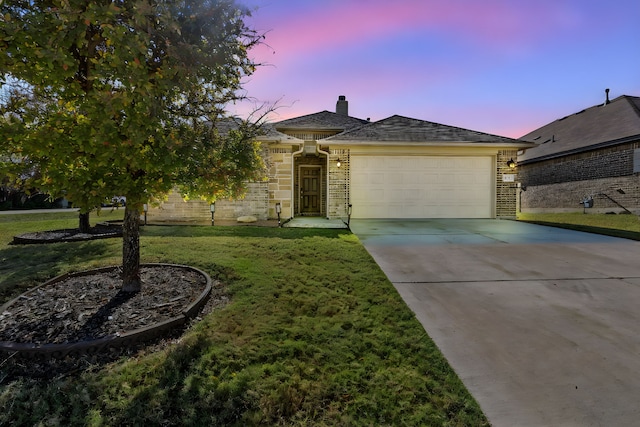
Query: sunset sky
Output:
(499,66)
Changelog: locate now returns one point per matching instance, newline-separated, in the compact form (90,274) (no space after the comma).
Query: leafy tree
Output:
(21,172)
(126,97)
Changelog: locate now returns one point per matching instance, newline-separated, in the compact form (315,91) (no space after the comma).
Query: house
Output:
(590,158)
(328,164)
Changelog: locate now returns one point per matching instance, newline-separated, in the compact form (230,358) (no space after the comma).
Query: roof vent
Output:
(606,91)
(342,106)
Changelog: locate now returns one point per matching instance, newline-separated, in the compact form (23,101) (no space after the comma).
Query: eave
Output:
(586,149)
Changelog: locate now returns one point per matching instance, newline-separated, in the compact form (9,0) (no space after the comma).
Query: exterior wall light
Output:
(278,211)
(339,163)
(212,208)
(511,164)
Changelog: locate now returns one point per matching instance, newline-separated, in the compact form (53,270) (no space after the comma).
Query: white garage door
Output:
(421,187)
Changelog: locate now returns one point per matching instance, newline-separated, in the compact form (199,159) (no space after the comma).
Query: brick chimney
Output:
(342,106)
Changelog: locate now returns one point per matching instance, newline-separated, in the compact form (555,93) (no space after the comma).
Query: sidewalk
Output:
(34,211)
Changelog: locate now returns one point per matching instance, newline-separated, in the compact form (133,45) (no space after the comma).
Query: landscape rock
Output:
(247,219)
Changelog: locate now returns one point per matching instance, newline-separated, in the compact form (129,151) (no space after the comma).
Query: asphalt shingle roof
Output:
(269,132)
(603,124)
(324,120)
(404,129)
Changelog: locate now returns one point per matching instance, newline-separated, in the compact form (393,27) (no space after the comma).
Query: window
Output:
(636,160)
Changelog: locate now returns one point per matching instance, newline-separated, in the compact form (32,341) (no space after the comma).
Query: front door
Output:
(310,190)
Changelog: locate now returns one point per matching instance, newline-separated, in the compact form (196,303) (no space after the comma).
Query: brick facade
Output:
(261,197)
(506,191)
(339,183)
(558,185)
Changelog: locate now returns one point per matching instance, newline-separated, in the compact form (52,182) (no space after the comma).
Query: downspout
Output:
(326,208)
(293,174)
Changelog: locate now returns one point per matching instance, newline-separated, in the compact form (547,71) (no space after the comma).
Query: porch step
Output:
(315,222)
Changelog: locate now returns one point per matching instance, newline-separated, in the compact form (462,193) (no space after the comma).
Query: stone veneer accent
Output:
(279,161)
(254,203)
(175,209)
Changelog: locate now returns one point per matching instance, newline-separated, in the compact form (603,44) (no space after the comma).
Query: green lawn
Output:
(314,334)
(622,225)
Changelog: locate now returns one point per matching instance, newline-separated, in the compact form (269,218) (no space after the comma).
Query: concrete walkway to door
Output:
(541,324)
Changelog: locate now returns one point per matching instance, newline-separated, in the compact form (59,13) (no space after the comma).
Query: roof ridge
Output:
(450,126)
(616,99)
(320,112)
(403,128)
(634,106)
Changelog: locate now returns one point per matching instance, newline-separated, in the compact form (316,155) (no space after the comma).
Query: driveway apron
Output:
(541,324)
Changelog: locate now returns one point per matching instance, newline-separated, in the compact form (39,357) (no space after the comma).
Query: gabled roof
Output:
(598,126)
(324,120)
(270,134)
(266,133)
(399,129)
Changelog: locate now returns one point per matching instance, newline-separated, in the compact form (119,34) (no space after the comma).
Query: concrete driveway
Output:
(541,324)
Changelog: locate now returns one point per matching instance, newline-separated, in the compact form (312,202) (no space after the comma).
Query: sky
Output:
(504,67)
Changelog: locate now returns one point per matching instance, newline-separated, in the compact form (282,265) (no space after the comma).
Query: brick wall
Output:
(596,164)
(558,185)
(566,197)
(506,192)
(339,179)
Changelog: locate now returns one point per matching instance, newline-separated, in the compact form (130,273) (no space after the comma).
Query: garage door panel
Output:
(421,187)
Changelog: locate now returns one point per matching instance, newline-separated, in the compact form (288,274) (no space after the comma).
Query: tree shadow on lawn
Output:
(23,267)
(239,231)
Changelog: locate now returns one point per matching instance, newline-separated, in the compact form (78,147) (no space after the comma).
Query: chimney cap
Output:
(344,98)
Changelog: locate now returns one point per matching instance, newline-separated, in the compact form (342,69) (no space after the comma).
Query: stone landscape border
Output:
(129,338)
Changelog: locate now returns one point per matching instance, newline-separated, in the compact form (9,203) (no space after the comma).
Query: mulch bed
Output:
(90,307)
(99,231)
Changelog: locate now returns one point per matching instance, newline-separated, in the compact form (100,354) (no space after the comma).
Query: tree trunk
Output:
(131,248)
(83,222)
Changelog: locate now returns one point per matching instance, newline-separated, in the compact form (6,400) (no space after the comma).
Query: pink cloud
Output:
(331,25)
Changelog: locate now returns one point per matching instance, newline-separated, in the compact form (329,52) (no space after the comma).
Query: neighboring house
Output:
(320,164)
(590,155)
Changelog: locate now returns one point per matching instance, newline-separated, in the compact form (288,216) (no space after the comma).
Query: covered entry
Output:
(310,192)
(422,186)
